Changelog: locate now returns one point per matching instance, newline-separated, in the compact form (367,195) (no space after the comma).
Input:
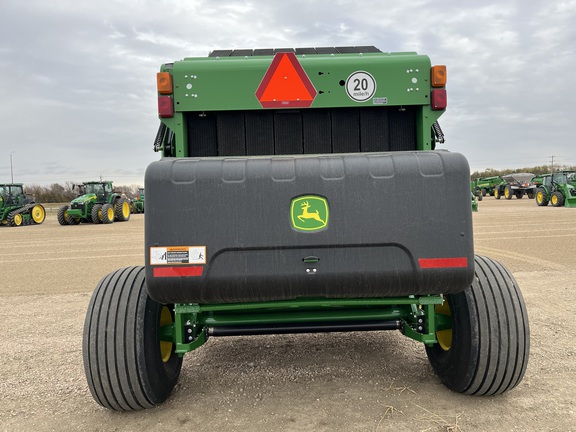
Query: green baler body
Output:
(235,82)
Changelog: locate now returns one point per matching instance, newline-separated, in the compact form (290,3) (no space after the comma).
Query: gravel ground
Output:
(378,381)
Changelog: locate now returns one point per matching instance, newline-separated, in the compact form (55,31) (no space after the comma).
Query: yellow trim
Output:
(165,347)
(444,336)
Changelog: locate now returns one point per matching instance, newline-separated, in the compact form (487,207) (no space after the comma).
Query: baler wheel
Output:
(487,351)
(107,214)
(127,366)
(96,214)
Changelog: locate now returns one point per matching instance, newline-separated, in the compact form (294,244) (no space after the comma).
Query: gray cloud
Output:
(77,78)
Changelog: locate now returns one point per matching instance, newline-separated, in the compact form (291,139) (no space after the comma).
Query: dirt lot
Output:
(378,381)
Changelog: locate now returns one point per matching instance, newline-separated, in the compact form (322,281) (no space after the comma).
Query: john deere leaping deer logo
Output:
(309,213)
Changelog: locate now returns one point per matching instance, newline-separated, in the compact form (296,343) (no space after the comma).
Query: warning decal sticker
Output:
(171,255)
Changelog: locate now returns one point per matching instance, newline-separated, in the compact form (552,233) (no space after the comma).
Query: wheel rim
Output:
(444,337)
(110,213)
(17,219)
(539,197)
(507,193)
(165,346)
(554,200)
(38,214)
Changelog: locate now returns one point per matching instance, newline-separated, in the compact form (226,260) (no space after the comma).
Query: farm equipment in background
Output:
(485,185)
(515,185)
(476,196)
(558,188)
(97,203)
(16,208)
(297,192)
(139,201)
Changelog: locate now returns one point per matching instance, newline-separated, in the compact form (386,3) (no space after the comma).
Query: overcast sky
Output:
(78,89)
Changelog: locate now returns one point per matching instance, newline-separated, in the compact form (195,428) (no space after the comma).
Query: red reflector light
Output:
(177,271)
(443,262)
(438,100)
(165,106)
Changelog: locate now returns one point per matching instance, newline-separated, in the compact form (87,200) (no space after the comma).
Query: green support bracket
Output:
(191,321)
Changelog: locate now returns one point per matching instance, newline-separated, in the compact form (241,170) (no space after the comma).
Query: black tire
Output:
(541,197)
(508,192)
(15,219)
(107,214)
(531,194)
(557,199)
(121,345)
(62,215)
(122,210)
(490,340)
(96,214)
(497,193)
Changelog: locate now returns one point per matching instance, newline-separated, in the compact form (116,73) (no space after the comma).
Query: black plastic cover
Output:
(221,230)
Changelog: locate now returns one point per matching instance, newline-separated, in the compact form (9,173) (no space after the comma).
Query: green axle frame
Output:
(415,316)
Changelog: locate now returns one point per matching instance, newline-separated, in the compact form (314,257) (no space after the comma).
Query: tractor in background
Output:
(97,203)
(517,184)
(16,208)
(559,189)
(485,185)
(139,201)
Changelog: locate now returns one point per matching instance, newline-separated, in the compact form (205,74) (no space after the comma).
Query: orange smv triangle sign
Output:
(285,84)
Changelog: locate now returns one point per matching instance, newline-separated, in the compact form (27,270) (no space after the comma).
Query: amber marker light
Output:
(438,76)
(164,82)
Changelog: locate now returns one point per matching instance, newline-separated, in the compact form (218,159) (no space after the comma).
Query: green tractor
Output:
(16,208)
(559,189)
(297,193)
(97,203)
(475,195)
(139,201)
(485,185)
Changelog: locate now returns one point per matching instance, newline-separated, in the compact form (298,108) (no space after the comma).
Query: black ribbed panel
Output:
(202,137)
(288,132)
(374,130)
(316,126)
(231,133)
(345,131)
(259,133)
(308,131)
(400,132)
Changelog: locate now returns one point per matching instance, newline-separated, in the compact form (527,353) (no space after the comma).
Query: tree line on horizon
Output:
(60,193)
